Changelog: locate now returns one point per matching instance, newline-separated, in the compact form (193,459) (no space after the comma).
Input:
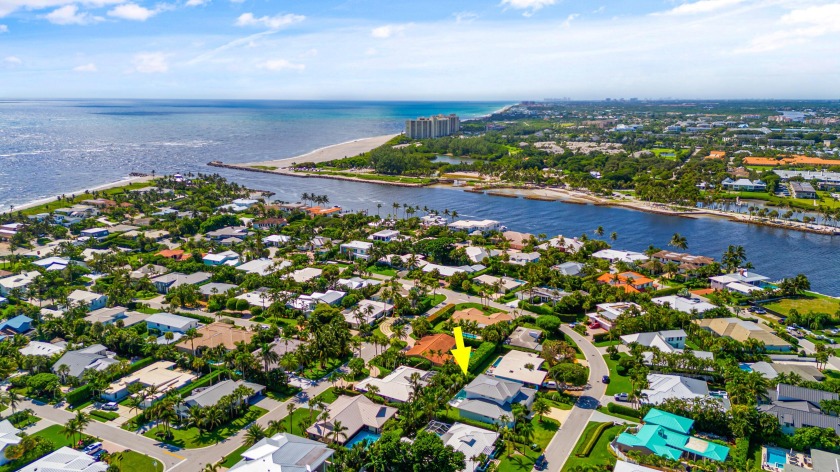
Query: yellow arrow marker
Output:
(461,353)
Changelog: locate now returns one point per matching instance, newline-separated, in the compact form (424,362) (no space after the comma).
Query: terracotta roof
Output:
(323,211)
(790,160)
(625,278)
(716,155)
(428,346)
(178,254)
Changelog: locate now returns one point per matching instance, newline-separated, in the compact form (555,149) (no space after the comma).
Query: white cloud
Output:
(272,22)
(386,31)
(10,6)
(530,5)
(4,29)
(569,19)
(150,63)
(133,12)
(197,3)
(465,16)
(12,61)
(90,67)
(70,15)
(281,64)
(798,27)
(701,6)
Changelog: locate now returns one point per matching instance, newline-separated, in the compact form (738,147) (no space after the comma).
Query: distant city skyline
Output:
(378,50)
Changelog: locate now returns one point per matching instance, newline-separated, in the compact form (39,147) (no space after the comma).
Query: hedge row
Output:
(203,319)
(481,354)
(594,435)
(666,291)
(105,415)
(442,312)
(78,395)
(202,382)
(623,410)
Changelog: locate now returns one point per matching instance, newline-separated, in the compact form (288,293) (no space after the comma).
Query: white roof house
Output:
(471,441)
(260,297)
(92,301)
(522,258)
(521,367)
(53,263)
(277,239)
(614,255)
(284,452)
(683,304)
(38,348)
(354,413)
(395,386)
(169,322)
(621,466)
(8,437)
(662,387)
(386,235)
(228,258)
(263,266)
(355,283)
(369,310)
(330,297)
(66,460)
(478,253)
(20,281)
(470,226)
(304,275)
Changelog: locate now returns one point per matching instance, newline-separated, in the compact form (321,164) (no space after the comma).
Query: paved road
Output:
(561,445)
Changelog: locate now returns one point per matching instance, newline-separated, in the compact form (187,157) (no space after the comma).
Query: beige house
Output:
(741,330)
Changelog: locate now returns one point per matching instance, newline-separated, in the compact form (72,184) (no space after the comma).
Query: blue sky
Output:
(434,49)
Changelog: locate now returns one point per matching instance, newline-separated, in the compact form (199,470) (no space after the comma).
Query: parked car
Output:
(759,311)
(605,379)
(540,463)
(98,454)
(92,448)
(622,397)
(111,406)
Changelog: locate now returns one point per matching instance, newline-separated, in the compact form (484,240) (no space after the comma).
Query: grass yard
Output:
(265,167)
(316,372)
(600,455)
(235,456)
(48,207)
(54,434)
(327,396)
(488,310)
(806,303)
(386,271)
(618,383)
(517,462)
(191,438)
(136,462)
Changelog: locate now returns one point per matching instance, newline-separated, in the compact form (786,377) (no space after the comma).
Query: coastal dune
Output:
(329,153)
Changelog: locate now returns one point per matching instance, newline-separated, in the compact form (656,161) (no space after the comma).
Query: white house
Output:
(356,249)
(228,258)
(663,387)
(471,226)
(8,437)
(488,399)
(396,386)
(263,266)
(276,240)
(284,452)
(614,255)
(684,304)
(17,281)
(66,459)
(93,301)
(385,236)
(472,442)
(167,322)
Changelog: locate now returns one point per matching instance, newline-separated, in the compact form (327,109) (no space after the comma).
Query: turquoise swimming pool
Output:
(363,435)
(776,457)
(496,362)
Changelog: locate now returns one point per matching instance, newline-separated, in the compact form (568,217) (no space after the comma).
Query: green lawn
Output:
(806,303)
(600,455)
(48,207)
(136,462)
(53,434)
(386,271)
(543,432)
(235,456)
(316,372)
(191,438)
(618,383)
(488,310)
(327,396)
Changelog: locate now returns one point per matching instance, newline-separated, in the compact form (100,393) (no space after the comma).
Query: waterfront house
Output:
(396,386)
(167,322)
(354,413)
(668,435)
(435,348)
(686,262)
(614,255)
(518,240)
(742,330)
(744,185)
(385,236)
(210,396)
(284,452)
(488,399)
(741,281)
(91,301)
(825,180)
(569,245)
(356,249)
(802,190)
(471,226)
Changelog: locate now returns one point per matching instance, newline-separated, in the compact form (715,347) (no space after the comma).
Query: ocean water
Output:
(54,147)
(47,148)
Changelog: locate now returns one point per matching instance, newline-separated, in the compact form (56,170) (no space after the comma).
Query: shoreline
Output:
(42,201)
(331,152)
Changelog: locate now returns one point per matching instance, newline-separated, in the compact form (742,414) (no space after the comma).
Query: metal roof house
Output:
(284,452)
(488,399)
(798,407)
(667,435)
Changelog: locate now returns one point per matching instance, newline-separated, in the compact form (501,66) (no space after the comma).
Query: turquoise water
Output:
(745,367)
(776,457)
(461,395)
(470,336)
(363,435)
(497,362)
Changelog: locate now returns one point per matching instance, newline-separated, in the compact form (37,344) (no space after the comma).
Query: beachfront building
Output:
(744,185)
(803,190)
(824,180)
(741,281)
(432,127)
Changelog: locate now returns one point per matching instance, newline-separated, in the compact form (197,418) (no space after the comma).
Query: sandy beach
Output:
(329,153)
(118,183)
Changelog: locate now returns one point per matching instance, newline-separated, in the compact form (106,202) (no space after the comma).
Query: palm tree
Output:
(82,419)
(71,429)
(254,434)
(540,407)
(12,399)
(275,426)
(338,431)
(678,241)
(268,356)
(290,408)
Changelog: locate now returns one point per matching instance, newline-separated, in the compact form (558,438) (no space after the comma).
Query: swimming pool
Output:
(776,457)
(745,367)
(497,362)
(363,435)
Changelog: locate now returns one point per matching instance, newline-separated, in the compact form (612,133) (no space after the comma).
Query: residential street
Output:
(564,441)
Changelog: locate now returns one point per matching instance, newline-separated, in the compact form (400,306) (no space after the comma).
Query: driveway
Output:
(564,441)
